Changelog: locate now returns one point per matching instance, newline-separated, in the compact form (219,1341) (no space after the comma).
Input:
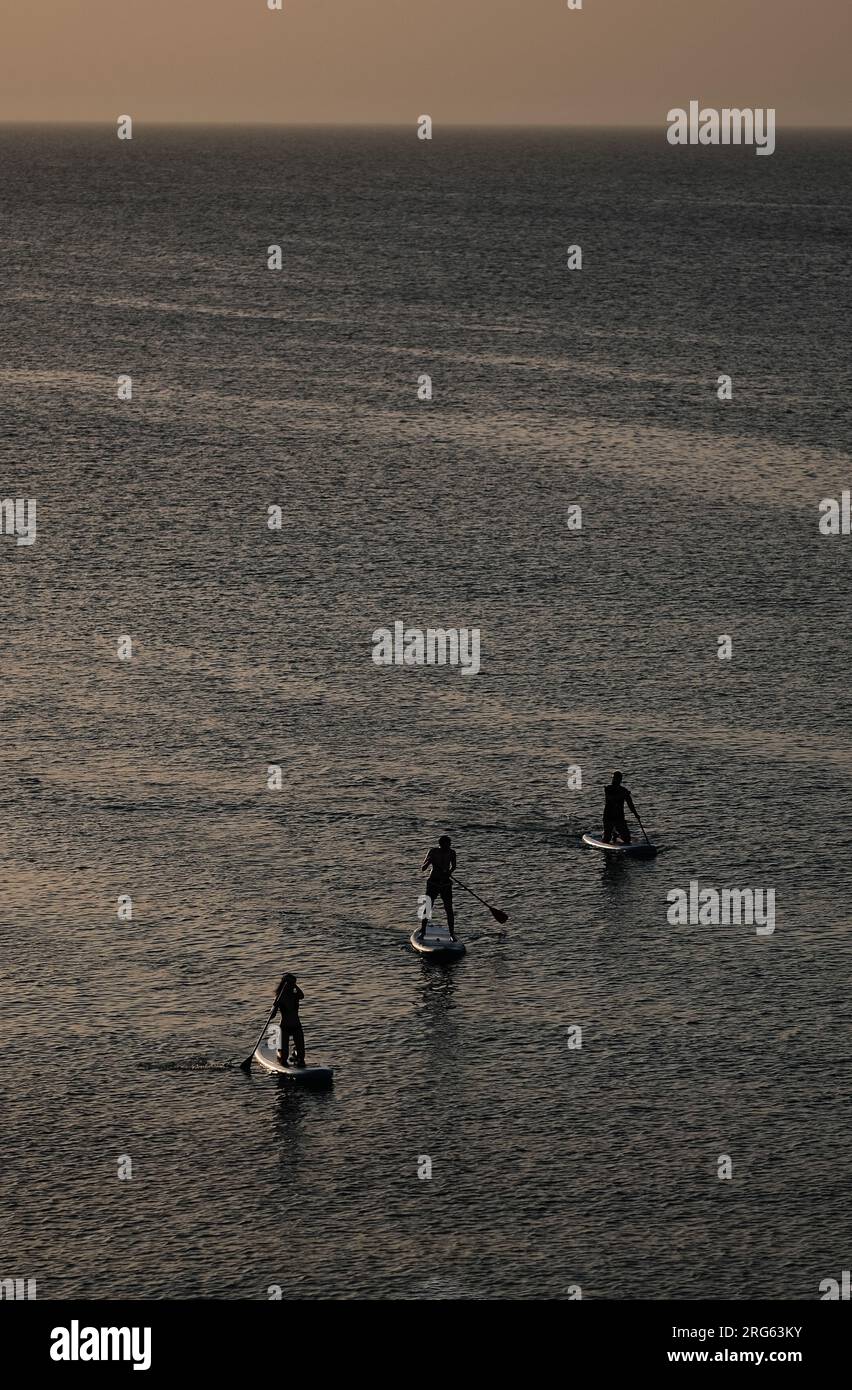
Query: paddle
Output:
(641,826)
(498,916)
(246,1065)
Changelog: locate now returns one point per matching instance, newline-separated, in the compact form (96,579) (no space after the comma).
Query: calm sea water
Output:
(551,1167)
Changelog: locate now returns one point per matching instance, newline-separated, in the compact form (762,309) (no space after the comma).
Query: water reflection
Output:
(438,986)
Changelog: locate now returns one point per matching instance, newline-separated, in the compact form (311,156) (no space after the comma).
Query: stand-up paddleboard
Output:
(638,848)
(267,1057)
(437,943)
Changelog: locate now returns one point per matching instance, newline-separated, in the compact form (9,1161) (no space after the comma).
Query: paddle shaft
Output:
(641,826)
(246,1065)
(495,911)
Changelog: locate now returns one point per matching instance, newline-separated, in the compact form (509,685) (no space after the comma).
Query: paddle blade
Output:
(246,1065)
(499,916)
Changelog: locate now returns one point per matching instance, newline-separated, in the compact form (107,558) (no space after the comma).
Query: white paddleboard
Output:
(267,1057)
(437,943)
(640,847)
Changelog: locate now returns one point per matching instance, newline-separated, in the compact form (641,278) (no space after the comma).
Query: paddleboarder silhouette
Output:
(615,798)
(287,998)
(440,861)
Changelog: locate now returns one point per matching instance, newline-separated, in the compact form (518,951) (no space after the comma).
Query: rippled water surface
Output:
(551,1166)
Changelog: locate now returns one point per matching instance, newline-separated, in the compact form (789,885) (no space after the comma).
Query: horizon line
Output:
(371,125)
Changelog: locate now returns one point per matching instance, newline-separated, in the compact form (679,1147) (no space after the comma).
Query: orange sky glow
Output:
(503,62)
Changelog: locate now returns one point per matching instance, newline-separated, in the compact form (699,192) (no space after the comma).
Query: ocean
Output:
(554,1168)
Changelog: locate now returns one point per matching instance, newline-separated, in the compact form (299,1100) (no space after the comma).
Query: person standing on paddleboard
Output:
(440,861)
(287,999)
(614,824)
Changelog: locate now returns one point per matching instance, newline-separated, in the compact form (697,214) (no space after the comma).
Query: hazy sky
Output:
(461,61)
